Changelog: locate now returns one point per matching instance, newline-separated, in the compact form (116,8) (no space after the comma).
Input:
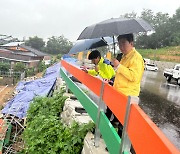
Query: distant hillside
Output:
(169,54)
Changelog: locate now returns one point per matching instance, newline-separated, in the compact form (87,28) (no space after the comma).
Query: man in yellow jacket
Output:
(103,67)
(129,70)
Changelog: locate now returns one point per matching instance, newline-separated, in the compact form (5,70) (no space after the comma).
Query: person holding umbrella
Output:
(129,70)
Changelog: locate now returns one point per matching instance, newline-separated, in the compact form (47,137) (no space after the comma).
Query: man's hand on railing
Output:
(84,69)
(108,81)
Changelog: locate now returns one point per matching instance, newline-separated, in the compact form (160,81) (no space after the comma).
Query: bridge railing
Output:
(144,135)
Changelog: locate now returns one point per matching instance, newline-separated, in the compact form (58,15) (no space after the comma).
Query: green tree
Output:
(35,42)
(41,66)
(174,28)
(30,71)
(148,15)
(4,67)
(130,15)
(19,67)
(160,19)
(59,56)
(58,45)
(163,35)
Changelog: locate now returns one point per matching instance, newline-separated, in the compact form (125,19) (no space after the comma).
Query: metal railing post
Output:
(125,142)
(97,132)
(67,88)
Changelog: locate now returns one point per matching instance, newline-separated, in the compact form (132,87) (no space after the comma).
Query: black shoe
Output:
(115,124)
(132,150)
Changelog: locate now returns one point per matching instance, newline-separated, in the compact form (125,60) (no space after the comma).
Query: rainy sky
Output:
(46,18)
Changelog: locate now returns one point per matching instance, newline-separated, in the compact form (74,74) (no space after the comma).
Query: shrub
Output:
(19,67)
(45,133)
(4,67)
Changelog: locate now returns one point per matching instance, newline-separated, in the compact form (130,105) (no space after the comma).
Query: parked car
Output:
(151,67)
(173,74)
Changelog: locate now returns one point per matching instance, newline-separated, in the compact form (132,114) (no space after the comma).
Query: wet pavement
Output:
(161,102)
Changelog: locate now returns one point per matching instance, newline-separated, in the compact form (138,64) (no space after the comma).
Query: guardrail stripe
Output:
(145,136)
(115,101)
(108,132)
(87,103)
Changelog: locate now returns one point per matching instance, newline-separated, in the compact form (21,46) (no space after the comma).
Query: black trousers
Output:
(109,114)
(120,126)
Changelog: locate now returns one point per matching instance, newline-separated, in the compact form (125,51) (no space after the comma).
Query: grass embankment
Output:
(169,54)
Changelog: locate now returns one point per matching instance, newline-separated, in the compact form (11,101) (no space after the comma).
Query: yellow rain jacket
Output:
(129,74)
(106,71)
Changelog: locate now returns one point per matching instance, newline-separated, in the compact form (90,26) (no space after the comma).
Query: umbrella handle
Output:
(114,45)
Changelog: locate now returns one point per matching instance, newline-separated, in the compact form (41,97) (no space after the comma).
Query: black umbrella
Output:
(114,27)
(86,44)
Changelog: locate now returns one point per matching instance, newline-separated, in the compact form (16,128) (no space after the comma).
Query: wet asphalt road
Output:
(161,102)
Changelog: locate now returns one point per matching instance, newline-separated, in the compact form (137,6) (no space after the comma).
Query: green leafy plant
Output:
(45,133)
(41,66)
(19,67)
(30,71)
(4,67)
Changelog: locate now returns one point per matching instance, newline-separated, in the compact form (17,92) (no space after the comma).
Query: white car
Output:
(151,67)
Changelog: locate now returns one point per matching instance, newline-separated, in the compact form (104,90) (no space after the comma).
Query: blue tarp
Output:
(71,60)
(19,105)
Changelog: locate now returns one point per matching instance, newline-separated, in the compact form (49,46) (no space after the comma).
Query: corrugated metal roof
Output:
(5,50)
(36,52)
(17,57)
(12,44)
(24,53)
(21,45)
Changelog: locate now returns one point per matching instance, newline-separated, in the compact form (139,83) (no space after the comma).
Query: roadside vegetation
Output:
(169,54)
(46,133)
